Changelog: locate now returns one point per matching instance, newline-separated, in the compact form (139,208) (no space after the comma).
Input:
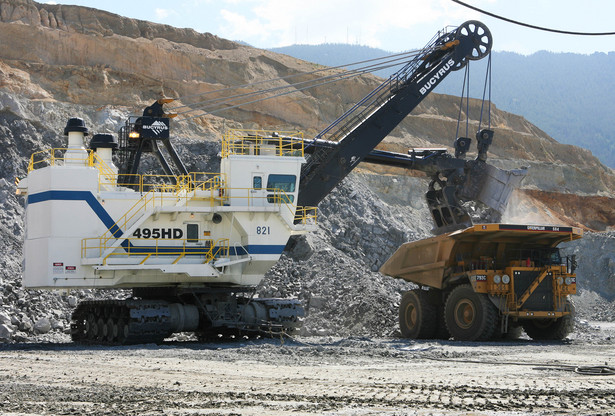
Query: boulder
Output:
(6,333)
(5,318)
(42,326)
(72,301)
(26,325)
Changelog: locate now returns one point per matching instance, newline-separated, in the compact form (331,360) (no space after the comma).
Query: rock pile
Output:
(596,258)
(334,270)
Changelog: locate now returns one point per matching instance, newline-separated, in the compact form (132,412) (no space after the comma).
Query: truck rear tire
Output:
(551,329)
(441,330)
(417,316)
(470,316)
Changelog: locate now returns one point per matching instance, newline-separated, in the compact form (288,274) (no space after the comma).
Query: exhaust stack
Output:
(75,153)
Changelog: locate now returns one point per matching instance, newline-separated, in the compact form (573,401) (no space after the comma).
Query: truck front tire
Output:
(470,316)
(551,329)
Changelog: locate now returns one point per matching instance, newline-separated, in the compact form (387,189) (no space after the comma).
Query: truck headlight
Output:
(506,279)
(497,279)
(569,280)
(560,280)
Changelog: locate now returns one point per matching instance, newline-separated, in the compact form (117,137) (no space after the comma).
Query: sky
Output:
(392,25)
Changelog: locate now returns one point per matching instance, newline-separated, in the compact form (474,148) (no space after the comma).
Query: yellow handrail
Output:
(179,248)
(261,142)
(48,157)
(158,193)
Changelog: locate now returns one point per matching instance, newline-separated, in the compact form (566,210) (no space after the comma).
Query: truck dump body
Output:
(486,279)
(425,262)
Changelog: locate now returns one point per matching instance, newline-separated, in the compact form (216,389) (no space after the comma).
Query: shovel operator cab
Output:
(486,280)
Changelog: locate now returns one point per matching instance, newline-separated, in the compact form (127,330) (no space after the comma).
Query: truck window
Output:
(257,182)
(553,257)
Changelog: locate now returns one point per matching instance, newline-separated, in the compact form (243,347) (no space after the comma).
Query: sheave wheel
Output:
(417,317)
(481,38)
(551,329)
(469,316)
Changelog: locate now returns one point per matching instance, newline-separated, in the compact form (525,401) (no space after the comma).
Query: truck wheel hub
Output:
(464,313)
(411,316)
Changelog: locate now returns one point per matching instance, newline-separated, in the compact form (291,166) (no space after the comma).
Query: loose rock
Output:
(42,326)
(6,333)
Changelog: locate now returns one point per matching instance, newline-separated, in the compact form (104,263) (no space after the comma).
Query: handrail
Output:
(51,159)
(261,142)
(301,214)
(209,248)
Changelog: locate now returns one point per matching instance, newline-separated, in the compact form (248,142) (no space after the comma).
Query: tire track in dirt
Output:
(104,399)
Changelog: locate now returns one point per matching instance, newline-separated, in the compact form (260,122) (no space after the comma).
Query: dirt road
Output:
(311,376)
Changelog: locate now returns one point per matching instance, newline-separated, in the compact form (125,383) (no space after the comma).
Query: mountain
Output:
(569,96)
(68,60)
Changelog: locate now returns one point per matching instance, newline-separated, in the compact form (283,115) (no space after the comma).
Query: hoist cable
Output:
(216,110)
(269,97)
(468,100)
(489,108)
(487,80)
(402,55)
(546,29)
(225,100)
(463,88)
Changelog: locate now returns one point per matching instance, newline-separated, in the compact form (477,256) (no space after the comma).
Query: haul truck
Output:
(483,281)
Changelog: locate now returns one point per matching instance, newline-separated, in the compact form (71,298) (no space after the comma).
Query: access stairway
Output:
(113,250)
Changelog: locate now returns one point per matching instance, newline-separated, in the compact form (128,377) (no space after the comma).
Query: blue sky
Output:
(393,25)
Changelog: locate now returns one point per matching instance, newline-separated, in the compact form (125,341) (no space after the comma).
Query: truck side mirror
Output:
(573,263)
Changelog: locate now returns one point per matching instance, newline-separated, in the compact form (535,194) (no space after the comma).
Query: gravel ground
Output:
(312,376)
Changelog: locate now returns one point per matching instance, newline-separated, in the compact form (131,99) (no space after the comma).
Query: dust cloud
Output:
(522,209)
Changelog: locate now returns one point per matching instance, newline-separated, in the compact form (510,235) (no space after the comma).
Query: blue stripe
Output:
(86,196)
(104,216)
(265,249)
(233,251)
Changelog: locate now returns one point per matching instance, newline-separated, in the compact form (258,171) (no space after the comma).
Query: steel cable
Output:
(373,67)
(225,100)
(351,75)
(546,29)
(598,370)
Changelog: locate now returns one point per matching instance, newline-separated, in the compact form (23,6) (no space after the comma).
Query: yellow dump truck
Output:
(486,281)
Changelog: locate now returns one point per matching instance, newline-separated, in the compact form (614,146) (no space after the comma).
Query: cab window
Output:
(285,183)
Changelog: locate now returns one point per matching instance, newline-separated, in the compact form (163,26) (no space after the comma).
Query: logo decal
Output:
(440,74)
(157,127)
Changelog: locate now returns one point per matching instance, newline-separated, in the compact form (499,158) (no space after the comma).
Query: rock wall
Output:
(85,20)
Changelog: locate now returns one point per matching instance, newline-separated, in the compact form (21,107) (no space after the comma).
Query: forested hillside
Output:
(569,96)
